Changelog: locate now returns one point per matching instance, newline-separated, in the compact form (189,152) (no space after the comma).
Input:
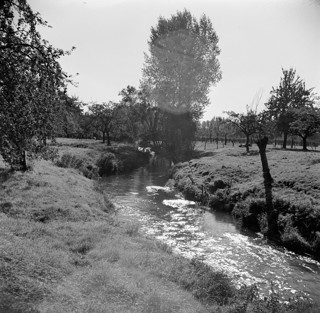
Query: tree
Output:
(306,123)
(217,125)
(68,117)
(87,125)
(272,214)
(181,68)
(247,123)
(290,94)
(142,119)
(105,119)
(31,83)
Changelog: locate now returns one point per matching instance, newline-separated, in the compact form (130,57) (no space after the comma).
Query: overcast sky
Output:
(257,39)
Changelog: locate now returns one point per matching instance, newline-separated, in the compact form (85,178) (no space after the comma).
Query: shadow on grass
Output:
(5,174)
(295,150)
(197,154)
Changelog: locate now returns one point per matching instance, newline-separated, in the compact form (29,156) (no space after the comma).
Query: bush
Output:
(192,192)
(250,212)
(217,184)
(69,160)
(291,238)
(108,164)
(220,201)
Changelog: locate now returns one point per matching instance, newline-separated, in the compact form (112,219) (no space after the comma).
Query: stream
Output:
(213,237)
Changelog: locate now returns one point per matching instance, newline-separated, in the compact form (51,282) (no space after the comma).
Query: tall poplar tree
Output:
(179,70)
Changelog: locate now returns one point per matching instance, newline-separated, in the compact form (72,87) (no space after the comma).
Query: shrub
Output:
(192,192)
(220,201)
(217,184)
(108,164)
(291,238)
(69,160)
(250,212)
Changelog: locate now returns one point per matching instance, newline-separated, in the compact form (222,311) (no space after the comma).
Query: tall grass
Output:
(69,160)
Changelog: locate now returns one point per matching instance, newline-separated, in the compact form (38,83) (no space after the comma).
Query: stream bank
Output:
(231,180)
(64,248)
(95,159)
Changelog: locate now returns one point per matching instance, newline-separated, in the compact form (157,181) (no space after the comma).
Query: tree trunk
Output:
(285,138)
(23,161)
(272,215)
(108,139)
(247,143)
(304,143)
(103,137)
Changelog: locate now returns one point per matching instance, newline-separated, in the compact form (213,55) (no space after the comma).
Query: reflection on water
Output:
(218,224)
(211,237)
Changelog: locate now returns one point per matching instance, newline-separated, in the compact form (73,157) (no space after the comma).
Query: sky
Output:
(257,39)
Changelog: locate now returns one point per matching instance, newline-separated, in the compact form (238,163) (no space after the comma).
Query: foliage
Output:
(178,73)
(290,94)
(31,82)
(107,164)
(139,118)
(182,63)
(306,123)
(69,160)
(178,135)
(248,123)
(105,119)
(68,117)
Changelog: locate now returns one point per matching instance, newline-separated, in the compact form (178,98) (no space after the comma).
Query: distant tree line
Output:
(291,117)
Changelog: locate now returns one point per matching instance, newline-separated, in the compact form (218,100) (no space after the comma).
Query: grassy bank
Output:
(64,248)
(94,158)
(231,180)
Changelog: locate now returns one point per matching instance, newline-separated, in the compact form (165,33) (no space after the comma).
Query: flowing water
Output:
(212,237)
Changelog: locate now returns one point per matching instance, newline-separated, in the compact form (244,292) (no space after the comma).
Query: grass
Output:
(231,180)
(64,248)
(93,158)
